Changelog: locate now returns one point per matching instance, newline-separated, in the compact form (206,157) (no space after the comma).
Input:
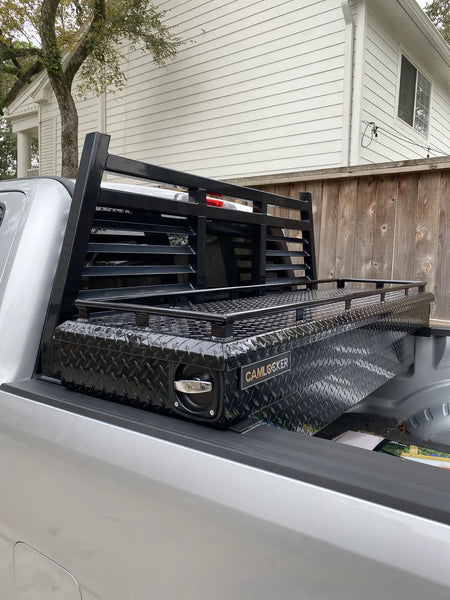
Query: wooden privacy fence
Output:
(388,221)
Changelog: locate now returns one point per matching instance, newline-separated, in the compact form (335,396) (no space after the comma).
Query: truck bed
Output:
(216,315)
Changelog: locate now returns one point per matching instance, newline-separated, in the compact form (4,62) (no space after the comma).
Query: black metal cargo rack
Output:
(221,323)
(144,266)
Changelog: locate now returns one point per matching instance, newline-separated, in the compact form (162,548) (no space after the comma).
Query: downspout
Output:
(348,82)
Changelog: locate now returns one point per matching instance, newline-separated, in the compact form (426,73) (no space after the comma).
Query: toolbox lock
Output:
(196,392)
(193,386)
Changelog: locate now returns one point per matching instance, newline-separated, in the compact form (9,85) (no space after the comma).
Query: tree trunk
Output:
(69,128)
(69,138)
(61,82)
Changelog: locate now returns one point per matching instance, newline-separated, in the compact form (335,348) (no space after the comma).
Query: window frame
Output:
(429,81)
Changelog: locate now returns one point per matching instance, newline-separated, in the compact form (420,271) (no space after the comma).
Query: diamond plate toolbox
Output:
(295,371)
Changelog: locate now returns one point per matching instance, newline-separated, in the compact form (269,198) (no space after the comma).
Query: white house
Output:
(267,87)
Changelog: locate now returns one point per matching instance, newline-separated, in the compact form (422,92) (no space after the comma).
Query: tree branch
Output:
(79,11)
(51,52)
(23,79)
(11,70)
(88,40)
(11,53)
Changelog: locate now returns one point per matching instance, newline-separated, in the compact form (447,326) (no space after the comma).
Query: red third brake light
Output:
(214,202)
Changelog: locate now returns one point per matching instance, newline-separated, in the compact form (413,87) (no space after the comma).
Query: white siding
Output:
(396,139)
(50,139)
(88,117)
(47,146)
(256,89)
(440,119)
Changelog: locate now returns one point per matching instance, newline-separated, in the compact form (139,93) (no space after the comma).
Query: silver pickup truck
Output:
(230,484)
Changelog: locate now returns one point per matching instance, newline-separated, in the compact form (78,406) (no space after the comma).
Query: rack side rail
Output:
(222,322)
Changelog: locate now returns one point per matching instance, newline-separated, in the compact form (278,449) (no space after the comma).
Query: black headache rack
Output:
(213,314)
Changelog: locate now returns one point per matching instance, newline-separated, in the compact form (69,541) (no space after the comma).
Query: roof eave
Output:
(423,22)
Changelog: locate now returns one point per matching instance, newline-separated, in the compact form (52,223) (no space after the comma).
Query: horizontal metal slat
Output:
(117,199)
(288,281)
(289,240)
(290,203)
(126,166)
(138,249)
(286,253)
(146,216)
(112,271)
(144,227)
(285,267)
(243,245)
(122,213)
(133,292)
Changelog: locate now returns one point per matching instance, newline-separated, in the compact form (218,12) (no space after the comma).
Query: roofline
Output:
(41,81)
(423,22)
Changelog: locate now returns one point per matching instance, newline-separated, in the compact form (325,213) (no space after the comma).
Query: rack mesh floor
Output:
(251,326)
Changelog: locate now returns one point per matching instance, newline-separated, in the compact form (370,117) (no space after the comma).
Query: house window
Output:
(414,98)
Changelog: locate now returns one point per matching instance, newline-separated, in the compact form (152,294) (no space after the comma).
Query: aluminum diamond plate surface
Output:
(336,358)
